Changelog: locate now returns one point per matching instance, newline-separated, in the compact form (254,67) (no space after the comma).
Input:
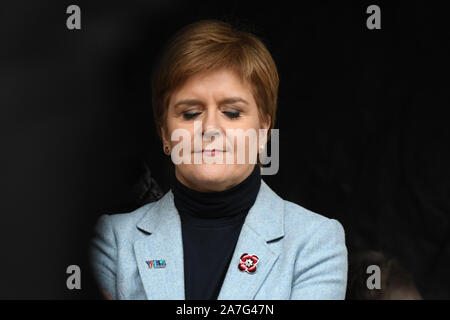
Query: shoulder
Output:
(314,238)
(310,229)
(298,223)
(119,224)
(298,218)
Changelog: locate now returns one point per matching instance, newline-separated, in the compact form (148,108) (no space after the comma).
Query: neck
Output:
(228,203)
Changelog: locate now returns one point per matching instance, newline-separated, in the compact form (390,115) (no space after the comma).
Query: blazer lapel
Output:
(163,241)
(240,285)
(264,223)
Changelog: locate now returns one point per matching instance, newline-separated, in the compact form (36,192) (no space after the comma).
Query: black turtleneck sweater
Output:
(211,223)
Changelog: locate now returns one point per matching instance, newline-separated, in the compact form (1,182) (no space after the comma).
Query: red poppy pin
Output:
(248,263)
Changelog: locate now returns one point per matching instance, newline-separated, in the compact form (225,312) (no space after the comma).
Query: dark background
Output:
(362,117)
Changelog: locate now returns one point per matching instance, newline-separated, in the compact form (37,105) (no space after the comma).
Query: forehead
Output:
(216,84)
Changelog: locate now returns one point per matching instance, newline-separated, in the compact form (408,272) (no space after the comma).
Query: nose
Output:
(211,122)
(211,125)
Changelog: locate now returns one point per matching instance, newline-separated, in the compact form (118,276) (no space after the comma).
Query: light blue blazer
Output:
(302,255)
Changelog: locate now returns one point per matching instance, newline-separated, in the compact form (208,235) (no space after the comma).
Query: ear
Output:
(164,136)
(266,124)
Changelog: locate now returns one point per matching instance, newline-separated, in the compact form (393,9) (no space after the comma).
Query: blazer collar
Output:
(161,223)
(265,216)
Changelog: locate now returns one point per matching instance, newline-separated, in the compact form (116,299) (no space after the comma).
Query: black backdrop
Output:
(362,117)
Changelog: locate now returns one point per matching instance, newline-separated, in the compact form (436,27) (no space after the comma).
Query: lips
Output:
(211,152)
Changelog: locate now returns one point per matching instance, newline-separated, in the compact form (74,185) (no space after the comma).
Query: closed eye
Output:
(232,114)
(190,115)
(229,114)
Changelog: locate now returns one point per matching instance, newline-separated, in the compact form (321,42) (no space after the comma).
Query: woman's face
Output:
(219,100)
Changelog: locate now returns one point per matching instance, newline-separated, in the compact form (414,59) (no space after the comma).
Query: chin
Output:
(213,176)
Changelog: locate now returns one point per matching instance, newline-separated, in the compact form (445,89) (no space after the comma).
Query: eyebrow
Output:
(193,102)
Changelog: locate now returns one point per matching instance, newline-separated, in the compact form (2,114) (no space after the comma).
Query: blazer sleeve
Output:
(103,253)
(321,267)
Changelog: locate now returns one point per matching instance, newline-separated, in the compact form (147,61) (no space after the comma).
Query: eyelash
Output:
(189,116)
(230,114)
(233,115)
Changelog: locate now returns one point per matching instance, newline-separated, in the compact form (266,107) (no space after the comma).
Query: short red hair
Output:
(208,45)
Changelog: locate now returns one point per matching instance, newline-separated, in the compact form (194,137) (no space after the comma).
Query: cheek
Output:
(175,124)
(246,125)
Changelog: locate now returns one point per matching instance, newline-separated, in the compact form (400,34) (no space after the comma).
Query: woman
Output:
(220,232)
